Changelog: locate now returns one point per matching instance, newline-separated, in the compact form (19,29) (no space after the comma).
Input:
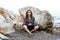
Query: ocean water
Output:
(56,21)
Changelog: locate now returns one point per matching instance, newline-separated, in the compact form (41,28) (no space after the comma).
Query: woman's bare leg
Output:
(35,28)
(25,28)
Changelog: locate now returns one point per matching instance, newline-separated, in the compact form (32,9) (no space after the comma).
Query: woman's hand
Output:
(30,24)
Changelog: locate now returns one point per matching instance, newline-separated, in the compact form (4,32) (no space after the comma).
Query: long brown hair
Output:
(30,15)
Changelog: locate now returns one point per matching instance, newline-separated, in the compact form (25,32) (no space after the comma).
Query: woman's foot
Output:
(30,36)
(30,33)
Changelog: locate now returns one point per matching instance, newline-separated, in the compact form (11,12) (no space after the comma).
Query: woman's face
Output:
(29,13)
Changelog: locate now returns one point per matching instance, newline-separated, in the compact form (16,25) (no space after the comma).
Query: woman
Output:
(29,22)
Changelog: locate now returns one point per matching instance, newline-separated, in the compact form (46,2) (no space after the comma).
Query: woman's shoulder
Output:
(33,17)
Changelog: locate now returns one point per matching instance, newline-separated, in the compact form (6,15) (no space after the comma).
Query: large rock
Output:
(43,18)
(7,19)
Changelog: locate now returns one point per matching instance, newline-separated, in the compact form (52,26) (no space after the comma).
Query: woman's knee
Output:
(24,26)
(36,27)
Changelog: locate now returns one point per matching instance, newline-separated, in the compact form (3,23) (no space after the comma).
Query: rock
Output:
(37,36)
(56,31)
(43,18)
(18,26)
(6,21)
(3,36)
(9,19)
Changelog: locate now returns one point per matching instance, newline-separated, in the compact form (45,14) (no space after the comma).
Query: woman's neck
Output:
(29,17)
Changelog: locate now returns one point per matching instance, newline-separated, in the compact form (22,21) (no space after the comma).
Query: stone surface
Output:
(56,31)
(22,35)
(6,21)
(43,18)
(3,37)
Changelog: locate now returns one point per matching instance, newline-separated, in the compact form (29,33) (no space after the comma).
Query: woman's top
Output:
(27,21)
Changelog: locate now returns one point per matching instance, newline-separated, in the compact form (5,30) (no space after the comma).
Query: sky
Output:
(53,6)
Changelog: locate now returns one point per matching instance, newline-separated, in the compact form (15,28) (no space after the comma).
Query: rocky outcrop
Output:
(6,21)
(9,19)
(43,18)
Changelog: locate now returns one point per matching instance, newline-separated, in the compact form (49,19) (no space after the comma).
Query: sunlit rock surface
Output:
(7,19)
(3,37)
(43,18)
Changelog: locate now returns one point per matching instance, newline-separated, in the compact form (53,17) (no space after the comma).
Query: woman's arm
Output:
(24,23)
